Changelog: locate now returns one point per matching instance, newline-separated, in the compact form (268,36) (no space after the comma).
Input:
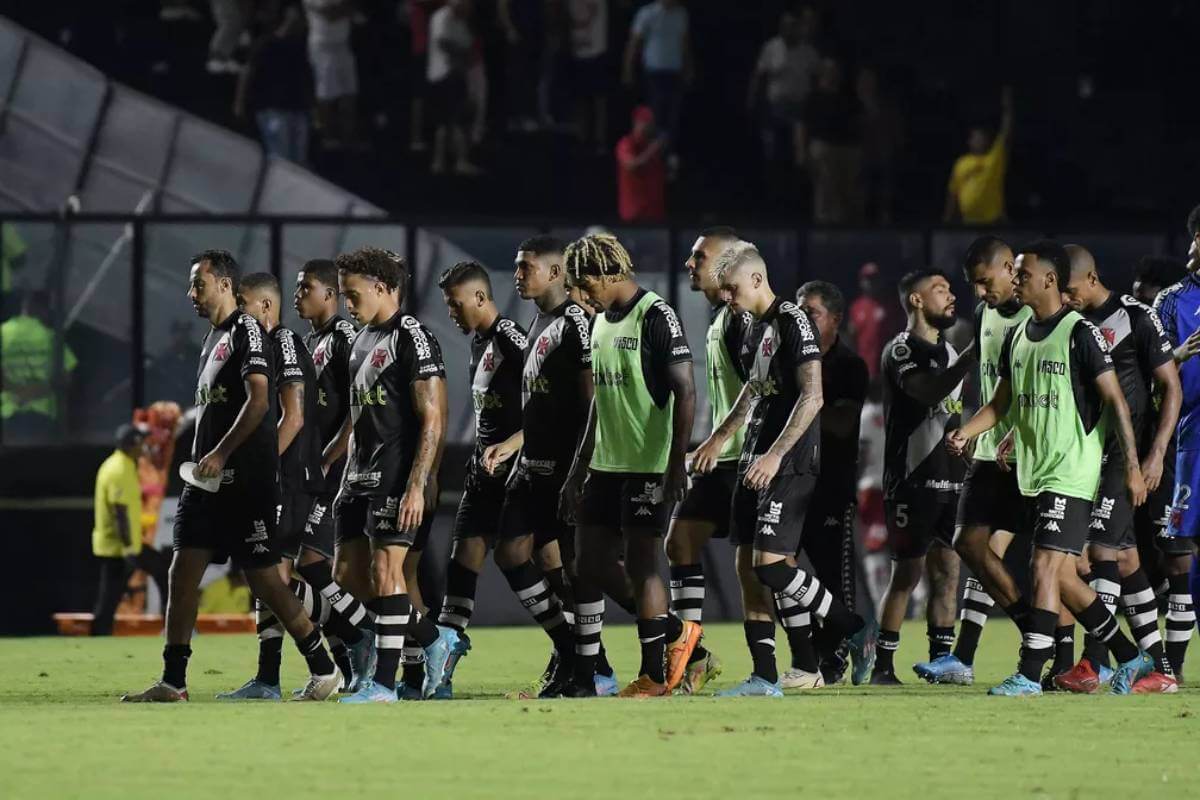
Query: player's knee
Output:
(906,574)
(775,576)
(971,545)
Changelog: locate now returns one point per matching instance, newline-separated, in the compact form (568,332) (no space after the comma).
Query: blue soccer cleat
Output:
(444,691)
(253,689)
(754,686)
(946,669)
(1016,685)
(1105,673)
(1129,673)
(363,657)
(862,653)
(606,685)
(436,656)
(462,646)
(371,692)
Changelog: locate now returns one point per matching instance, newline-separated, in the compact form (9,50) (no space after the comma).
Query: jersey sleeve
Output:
(737,326)
(249,343)
(1004,364)
(1090,349)
(799,338)
(1150,338)
(510,339)
(577,338)
(901,362)
(664,337)
(287,360)
(1164,308)
(977,328)
(419,352)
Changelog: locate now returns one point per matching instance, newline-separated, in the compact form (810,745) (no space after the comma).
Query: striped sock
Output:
(806,590)
(1037,643)
(941,639)
(270,643)
(886,646)
(346,615)
(760,638)
(1106,583)
(687,591)
(977,603)
(589,621)
(533,591)
(1141,611)
(652,635)
(460,597)
(315,654)
(1181,618)
(1097,620)
(560,587)
(391,625)
(797,624)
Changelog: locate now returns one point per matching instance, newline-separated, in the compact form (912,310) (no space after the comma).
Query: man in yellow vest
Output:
(117,534)
(29,398)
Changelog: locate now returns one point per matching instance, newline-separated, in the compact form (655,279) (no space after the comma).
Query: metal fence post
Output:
(138,307)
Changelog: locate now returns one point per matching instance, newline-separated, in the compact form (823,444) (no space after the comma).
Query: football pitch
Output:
(65,735)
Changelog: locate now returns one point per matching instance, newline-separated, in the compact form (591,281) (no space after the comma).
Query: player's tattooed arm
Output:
(704,457)
(337,447)
(1109,388)
(1166,375)
(429,400)
(291,420)
(764,468)
(683,388)
(984,420)
(257,405)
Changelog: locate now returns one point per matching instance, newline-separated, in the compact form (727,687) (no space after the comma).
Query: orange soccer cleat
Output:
(645,687)
(680,651)
(1156,683)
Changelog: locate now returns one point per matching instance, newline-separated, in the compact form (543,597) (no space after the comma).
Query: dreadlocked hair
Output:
(598,255)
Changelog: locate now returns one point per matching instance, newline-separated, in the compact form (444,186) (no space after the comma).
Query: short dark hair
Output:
(982,251)
(1193,222)
(1053,252)
(542,244)
(221,264)
(258,281)
(374,262)
(720,232)
(323,270)
(1160,271)
(910,280)
(831,296)
(465,271)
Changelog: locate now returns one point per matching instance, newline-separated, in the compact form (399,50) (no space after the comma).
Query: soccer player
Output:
(389,488)
(990,507)
(1141,356)
(778,467)
(557,392)
(1152,274)
(497,355)
(704,512)
(632,455)
(922,401)
(1178,307)
(1055,379)
(829,524)
(235,441)
(299,472)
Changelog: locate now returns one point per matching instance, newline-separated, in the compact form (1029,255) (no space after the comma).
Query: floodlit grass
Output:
(64,734)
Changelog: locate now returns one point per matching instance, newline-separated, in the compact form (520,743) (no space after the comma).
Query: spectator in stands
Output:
(641,171)
(31,386)
(275,87)
(833,121)
(230,17)
(524,26)
(882,134)
(335,72)
(419,12)
(874,317)
(451,50)
(590,69)
(659,41)
(783,77)
(975,195)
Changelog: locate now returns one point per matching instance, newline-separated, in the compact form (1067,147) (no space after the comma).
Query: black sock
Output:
(1018,612)
(270,644)
(652,635)
(626,604)
(534,592)
(391,626)
(589,622)
(1106,582)
(460,597)
(314,652)
(175,658)
(1141,611)
(797,624)
(976,605)
(674,627)
(940,640)
(760,638)
(341,657)
(1037,643)
(560,586)
(1097,621)
(412,665)
(602,666)
(1064,648)
(347,616)
(687,591)
(421,629)
(1181,618)
(885,651)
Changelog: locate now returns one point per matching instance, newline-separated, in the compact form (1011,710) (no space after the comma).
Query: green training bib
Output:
(724,383)
(993,327)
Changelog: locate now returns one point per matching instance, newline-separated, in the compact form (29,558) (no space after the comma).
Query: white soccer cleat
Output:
(319,687)
(799,679)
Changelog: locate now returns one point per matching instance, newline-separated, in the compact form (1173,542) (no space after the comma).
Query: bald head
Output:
(1082,261)
(1084,291)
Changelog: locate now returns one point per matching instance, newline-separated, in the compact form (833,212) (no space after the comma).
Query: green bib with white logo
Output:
(632,433)
(993,327)
(1054,452)
(724,383)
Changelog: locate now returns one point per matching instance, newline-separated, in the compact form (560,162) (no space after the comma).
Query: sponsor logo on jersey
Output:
(901,351)
(540,466)
(253,332)
(941,485)
(766,530)
(317,514)
(485,400)
(652,493)
(1059,511)
(260,548)
(1052,526)
(227,476)
(360,396)
(763,387)
(672,320)
(419,339)
(366,480)
(642,511)
(1096,524)
(211,395)
(772,514)
(1105,508)
(610,378)
(1033,400)
(1048,367)
(288,345)
(260,532)
(625,342)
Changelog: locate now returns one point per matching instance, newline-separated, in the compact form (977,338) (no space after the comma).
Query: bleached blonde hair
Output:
(737,254)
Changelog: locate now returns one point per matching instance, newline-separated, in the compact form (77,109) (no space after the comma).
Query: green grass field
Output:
(64,734)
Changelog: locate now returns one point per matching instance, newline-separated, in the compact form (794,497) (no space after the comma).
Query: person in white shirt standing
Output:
(451,46)
(335,73)
(785,69)
(590,69)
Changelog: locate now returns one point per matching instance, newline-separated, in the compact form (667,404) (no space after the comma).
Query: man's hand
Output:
(1004,450)
(762,471)
(412,510)
(1189,348)
(211,465)
(674,483)
(1152,470)
(1135,485)
(704,458)
(497,454)
(569,497)
(956,443)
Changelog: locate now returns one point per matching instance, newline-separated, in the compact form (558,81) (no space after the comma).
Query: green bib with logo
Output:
(724,383)
(632,433)
(1054,452)
(993,327)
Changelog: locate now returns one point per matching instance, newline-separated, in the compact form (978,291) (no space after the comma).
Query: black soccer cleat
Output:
(885,678)
(574,689)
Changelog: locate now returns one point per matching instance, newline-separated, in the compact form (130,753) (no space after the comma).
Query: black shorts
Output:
(237,523)
(294,508)
(991,497)
(916,518)
(375,518)
(830,518)
(1112,513)
(319,528)
(1150,520)
(531,507)
(1059,522)
(625,500)
(772,519)
(479,509)
(710,499)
